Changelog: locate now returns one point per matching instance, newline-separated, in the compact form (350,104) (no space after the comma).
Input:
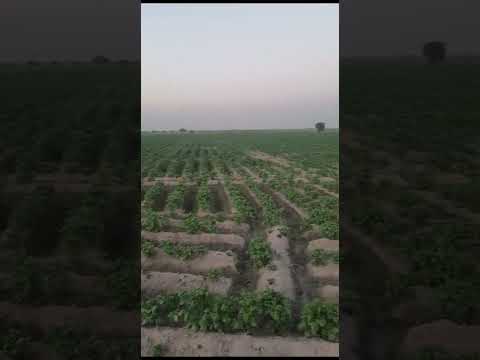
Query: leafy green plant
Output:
(329,229)
(153,194)
(150,221)
(183,251)
(176,197)
(323,257)
(200,310)
(271,212)
(320,319)
(214,274)
(203,196)
(155,311)
(267,310)
(148,248)
(192,224)
(245,212)
(260,252)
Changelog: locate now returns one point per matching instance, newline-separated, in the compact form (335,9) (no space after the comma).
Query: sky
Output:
(69,29)
(239,66)
(396,28)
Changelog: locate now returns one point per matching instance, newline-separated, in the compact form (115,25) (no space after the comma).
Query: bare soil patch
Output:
(160,261)
(267,157)
(155,283)
(183,342)
(232,240)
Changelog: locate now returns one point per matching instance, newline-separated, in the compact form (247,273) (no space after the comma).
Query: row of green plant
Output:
(251,312)
(182,251)
(203,195)
(245,213)
(176,198)
(321,257)
(272,214)
(153,195)
(152,221)
(193,225)
(148,247)
(36,285)
(260,252)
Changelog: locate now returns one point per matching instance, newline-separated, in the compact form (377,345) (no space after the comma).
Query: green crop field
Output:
(233,221)
(410,176)
(68,246)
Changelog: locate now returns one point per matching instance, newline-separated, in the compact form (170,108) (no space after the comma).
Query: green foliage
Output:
(148,247)
(150,221)
(176,197)
(155,311)
(200,310)
(153,194)
(124,284)
(268,310)
(183,251)
(329,230)
(203,196)
(245,212)
(323,257)
(214,274)
(320,319)
(272,214)
(193,225)
(260,252)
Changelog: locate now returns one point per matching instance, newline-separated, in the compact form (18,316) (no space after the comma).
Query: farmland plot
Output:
(68,246)
(411,224)
(240,257)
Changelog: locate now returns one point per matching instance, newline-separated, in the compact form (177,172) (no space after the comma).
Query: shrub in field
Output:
(260,252)
(320,319)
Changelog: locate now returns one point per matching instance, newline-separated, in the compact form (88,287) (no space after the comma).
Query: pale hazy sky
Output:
(242,66)
(391,28)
